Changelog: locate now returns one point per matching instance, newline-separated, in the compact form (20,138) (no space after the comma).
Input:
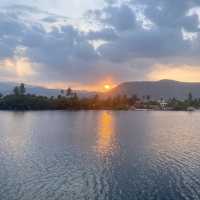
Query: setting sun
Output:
(107,87)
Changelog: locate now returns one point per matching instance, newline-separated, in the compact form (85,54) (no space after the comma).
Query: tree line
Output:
(66,100)
(19,99)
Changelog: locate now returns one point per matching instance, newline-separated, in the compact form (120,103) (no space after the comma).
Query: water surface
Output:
(99,155)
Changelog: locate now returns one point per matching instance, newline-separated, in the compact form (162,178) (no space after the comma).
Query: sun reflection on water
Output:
(105,140)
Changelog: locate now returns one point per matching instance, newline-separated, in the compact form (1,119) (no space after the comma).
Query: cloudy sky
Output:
(88,43)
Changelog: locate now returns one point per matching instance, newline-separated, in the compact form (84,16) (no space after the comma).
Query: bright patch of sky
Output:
(72,9)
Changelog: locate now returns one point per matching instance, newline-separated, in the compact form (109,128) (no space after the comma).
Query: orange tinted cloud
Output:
(20,67)
(184,73)
(98,86)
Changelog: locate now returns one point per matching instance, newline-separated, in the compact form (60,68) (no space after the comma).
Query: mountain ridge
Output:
(7,88)
(158,89)
(164,88)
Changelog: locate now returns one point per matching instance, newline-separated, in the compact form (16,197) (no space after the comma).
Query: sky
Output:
(86,44)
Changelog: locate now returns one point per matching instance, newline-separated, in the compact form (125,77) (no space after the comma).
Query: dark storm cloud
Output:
(119,17)
(67,54)
(63,51)
(172,14)
(107,34)
(142,43)
(163,39)
(10,32)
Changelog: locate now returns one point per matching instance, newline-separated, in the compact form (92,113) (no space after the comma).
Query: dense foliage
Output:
(184,105)
(68,100)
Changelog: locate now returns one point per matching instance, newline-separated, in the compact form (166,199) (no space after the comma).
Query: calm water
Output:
(99,155)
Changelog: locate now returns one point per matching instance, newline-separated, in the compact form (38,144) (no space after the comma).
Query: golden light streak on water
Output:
(105,133)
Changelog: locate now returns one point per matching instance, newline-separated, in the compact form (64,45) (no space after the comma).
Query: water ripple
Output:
(100,156)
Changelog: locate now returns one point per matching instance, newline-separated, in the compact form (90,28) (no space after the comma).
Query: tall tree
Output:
(22,89)
(62,92)
(190,97)
(69,92)
(16,91)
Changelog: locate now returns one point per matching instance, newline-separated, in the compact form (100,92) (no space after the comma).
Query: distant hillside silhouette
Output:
(155,89)
(158,89)
(7,88)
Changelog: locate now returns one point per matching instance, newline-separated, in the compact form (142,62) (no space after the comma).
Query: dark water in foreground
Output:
(99,155)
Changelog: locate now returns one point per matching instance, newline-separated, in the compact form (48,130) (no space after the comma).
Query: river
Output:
(99,155)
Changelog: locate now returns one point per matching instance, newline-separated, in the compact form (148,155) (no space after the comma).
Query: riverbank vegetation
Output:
(66,100)
(69,100)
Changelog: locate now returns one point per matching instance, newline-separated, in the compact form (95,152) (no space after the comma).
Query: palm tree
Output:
(62,92)
(22,89)
(69,92)
(148,97)
(16,91)
(190,97)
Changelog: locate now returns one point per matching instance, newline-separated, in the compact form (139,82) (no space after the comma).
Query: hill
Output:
(7,88)
(157,89)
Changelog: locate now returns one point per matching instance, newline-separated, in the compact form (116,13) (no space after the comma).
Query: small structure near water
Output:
(163,104)
(190,109)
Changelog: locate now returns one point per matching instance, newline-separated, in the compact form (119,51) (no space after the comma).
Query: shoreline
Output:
(79,110)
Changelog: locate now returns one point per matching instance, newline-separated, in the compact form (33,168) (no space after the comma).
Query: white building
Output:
(163,104)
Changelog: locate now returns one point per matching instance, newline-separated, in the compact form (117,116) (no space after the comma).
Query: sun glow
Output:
(107,87)
(99,86)
(20,67)
(106,132)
